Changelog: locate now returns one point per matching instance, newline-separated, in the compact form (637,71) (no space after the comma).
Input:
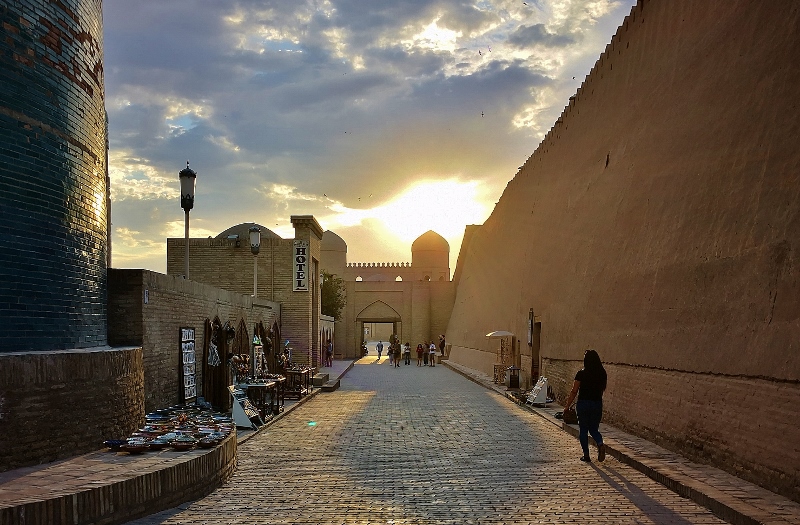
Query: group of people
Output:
(426,352)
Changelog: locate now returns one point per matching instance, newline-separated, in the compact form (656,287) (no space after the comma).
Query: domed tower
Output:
(430,257)
(53,176)
(241,232)
(333,257)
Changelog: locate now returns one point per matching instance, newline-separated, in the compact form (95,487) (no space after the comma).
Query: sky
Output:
(382,119)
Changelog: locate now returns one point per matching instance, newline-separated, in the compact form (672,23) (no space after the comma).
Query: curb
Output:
(314,392)
(722,505)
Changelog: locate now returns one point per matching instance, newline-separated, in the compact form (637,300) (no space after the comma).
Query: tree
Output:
(333,295)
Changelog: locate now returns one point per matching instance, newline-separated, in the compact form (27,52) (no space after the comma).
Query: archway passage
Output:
(378,322)
(374,332)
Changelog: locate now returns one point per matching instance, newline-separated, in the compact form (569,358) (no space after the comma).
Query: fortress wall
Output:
(659,222)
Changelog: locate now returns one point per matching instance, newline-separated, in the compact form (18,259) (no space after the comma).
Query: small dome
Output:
(243,231)
(430,241)
(332,242)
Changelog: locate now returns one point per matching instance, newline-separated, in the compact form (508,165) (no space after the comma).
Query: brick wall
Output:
(55,405)
(710,418)
(53,189)
(173,303)
(222,264)
(119,501)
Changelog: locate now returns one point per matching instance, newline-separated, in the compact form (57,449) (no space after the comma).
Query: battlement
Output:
(379,265)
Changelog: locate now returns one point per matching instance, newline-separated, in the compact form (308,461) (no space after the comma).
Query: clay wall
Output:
(661,220)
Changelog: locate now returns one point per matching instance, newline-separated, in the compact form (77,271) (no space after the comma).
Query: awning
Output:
(499,333)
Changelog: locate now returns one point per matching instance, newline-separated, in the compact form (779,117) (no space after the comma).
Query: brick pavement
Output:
(414,445)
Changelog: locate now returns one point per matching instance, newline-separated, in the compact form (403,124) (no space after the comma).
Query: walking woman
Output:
(589,385)
(419,354)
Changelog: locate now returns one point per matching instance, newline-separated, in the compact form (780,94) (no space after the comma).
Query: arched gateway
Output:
(416,298)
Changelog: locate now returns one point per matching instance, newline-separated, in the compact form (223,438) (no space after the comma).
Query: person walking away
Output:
(379,348)
(390,352)
(425,353)
(589,385)
(419,354)
(397,354)
(329,354)
(432,356)
(407,353)
(441,345)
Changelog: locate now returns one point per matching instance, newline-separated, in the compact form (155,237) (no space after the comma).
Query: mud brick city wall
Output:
(55,405)
(53,177)
(658,222)
(173,303)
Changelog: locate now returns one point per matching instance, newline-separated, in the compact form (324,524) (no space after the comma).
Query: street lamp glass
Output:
(255,239)
(188,179)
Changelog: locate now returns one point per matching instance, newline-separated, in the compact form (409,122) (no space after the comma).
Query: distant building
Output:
(415,298)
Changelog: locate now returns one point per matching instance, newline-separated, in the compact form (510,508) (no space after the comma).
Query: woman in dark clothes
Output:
(589,385)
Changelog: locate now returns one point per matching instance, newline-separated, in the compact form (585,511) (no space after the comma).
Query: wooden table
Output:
(298,382)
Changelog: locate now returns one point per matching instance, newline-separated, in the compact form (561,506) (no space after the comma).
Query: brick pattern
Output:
(53,186)
(55,405)
(105,488)
(220,263)
(173,303)
(422,445)
(693,408)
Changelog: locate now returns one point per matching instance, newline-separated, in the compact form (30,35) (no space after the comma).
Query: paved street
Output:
(425,445)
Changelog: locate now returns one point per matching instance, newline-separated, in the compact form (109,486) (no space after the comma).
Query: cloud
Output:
(276,103)
(530,36)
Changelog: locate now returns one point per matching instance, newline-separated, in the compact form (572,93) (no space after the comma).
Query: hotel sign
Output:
(300,265)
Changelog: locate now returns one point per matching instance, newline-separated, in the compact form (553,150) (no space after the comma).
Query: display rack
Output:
(245,415)
(298,382)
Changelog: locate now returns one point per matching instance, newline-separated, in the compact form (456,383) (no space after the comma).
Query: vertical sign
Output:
(188,365)
(300,265)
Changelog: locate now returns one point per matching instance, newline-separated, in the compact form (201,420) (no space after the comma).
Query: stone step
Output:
(331,385)
(320,379)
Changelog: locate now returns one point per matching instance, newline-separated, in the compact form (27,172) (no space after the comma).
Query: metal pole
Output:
(186,252)
(255,276)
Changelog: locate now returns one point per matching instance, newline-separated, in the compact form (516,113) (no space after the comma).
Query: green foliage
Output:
(333,295)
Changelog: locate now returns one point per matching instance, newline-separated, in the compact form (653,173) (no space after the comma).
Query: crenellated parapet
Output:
(379,265)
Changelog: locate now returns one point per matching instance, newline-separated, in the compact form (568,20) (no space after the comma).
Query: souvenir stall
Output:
(257,394)
(298,377)
(218,338)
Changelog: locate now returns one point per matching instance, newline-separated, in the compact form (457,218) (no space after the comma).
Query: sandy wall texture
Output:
(659,222)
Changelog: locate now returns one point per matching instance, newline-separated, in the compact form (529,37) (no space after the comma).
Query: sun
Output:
(444,206)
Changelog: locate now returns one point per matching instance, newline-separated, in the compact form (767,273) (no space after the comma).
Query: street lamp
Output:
(255,244)
(188,179)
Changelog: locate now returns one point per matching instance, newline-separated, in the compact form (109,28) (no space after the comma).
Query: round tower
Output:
(430,257)
(333,256)
(53,176)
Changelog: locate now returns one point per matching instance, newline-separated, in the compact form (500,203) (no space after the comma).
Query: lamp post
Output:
(255,244)
(188,179)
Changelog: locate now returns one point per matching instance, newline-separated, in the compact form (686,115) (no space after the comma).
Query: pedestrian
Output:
(390,352)
(589,385)
(379,348)
(441,345)
(432,351)
(407,353)
(425,353)
(419,354)
(397,354)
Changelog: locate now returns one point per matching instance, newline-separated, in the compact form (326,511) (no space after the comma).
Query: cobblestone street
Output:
(425,445)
